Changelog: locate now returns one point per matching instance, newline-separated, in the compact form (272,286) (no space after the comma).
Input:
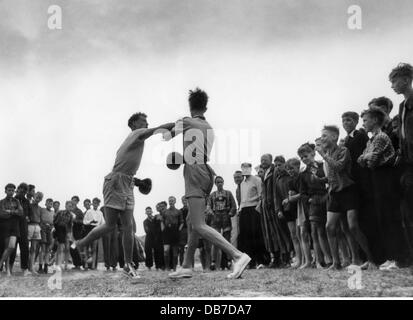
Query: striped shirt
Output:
(382,149)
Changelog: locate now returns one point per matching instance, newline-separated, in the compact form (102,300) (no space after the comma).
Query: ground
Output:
(262,283)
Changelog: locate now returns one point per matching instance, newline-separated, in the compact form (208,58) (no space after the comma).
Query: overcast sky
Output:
(275,71)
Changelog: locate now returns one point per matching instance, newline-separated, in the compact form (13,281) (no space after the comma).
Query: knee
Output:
(331,228)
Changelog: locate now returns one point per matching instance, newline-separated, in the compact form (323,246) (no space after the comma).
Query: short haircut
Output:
(246,164)
(198,100)
(306,148)
(68,202)
(402,70)
(269,155)
(352,115)
(377,113)
(219,177)
(238,172)
(333,129)
(56,202)
(86,200)
(279,159)
(9,185)
(395,118)
(49,200)
(148,208)
(75,198)
(162,202)
(38,193)
(135,117)
(31,187)
(293,162)
(23,186)
(382,101)
(95,199)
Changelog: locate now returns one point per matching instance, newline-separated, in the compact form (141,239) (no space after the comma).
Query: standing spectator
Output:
(183,234)
(92,219)
(56,206)
(379,157)
(87,205)
(10,210)
(385,105)
(401,82)
(153,240)
(171,224)
(77,232)
(221,204)
(250,238)
(23,240)
(63,223)
(342,197)
(238,178)
(34,230)
(46,226)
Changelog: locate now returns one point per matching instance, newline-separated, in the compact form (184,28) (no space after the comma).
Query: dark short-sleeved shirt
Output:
(172,217)
(25,205)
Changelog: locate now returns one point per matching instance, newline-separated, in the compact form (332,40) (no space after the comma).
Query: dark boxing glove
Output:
(144,185)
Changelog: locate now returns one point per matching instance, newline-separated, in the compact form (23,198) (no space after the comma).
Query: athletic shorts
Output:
(221,221)
(318,208)
(33,232)
(199,180)
(46,234)
(170,236)
(118,191)
(9,228)
(344,200)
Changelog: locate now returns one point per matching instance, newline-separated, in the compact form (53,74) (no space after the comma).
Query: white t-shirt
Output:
(93,215)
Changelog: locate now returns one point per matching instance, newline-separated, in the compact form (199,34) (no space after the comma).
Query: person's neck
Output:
(220,189)
(172,207)
(197,114)
(408,93)
(9,197)
(375,130)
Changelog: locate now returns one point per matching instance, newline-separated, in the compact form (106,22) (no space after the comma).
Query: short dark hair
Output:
(31,187)
(238,171)
(198,100)
(377,113)
(49,200)
(95,199)
(75,198)
(382,101)
(305,148)
(86,200)
(9,185)
(23,186)
(148,208)
(402,70)
(351,114)
(293,162)
(54,202)
(134,117)
(163,202)
(333,129)
(279,159)
(219,177)
(395,118)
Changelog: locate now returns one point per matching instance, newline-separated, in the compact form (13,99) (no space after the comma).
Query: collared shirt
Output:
(25,204)
(338,167)
(251,189)
(406,130)
(63,218)
(93,217)
(381,146)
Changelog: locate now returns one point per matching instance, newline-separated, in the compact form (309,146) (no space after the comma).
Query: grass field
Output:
(255,283)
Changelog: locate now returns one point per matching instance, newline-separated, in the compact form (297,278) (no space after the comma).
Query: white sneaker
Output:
(391,266)
(239,266)
(385,265)
(181,273)
(27,273)
(260,266)
(131,273)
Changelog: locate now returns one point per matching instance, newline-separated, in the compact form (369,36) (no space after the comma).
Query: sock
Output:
(45,268)
(40,267)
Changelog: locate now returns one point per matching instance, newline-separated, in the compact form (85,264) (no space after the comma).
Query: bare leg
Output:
(166,256)
(322,238)
(319,257)
(292,226)
(305,238)
(358,234)
(351,241)
(331,226)
(127,235)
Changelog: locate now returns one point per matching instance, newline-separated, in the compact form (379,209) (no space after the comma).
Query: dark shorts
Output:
(46,234)
(170,236)
(290,216)
(87,229)
(9,228)
(183,237)
(221,221)
(344,200)
(318,208)
(60,234)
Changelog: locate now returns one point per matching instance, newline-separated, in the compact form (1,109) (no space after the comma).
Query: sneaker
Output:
(131,273)
(260,266)
(181,273)
(73,245)
(368,266)
(239,266)
(391,266)
(26,273)
(386,264)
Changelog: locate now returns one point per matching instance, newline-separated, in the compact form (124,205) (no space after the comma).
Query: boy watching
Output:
(46,226)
